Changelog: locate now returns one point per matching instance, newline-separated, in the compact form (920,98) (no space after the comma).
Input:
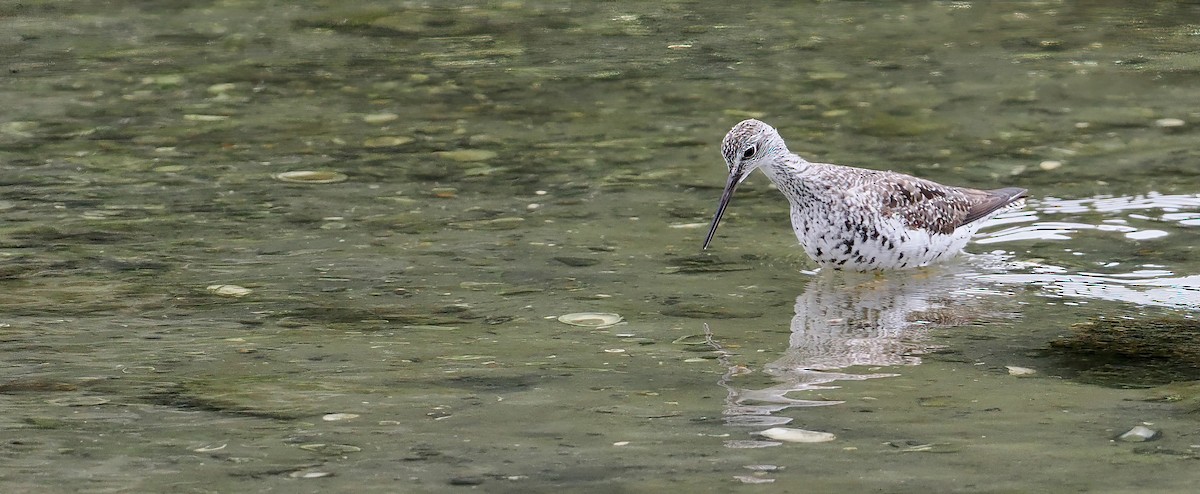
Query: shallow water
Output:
(512,162)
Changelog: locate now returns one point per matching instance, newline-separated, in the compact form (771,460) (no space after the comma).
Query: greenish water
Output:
(506,163)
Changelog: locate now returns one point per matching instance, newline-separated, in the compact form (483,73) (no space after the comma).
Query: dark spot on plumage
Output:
(928,193)
(893,201)
(818,252)
(841,262)
(899,257)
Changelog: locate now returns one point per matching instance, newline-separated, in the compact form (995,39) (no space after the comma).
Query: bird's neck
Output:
(791,174)
(788,169)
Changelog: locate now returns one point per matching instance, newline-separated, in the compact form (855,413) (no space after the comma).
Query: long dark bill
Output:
(726,196)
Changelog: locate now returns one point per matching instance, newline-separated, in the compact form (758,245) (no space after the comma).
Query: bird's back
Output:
(862,219)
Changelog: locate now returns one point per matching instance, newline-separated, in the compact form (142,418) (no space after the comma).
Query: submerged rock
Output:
(1170,123)
(590,319)
(1183,395)
(231,291)
(791,435)
(1139,434)
(1020,371)
(386,141)
(1139,352)
(310,177)
(467,155)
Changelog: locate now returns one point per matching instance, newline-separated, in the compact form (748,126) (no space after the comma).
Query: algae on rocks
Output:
(1141,352)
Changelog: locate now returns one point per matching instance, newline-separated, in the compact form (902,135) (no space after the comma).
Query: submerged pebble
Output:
(788,434)
(386,141)
(467,155)
(590,319)
(196,117)
(163,80)
(378,118)
(1019,371)
(1169,123)
(1139,434)
(233,291)
(310,475)
(310,177)
(334,417)
(223,87)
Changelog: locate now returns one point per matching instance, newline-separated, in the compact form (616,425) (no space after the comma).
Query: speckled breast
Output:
(862,242)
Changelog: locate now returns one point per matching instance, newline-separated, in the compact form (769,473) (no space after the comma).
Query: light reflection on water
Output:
(846,321)
(1171,208)
(1138,284)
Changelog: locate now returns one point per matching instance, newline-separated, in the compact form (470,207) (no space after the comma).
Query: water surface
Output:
(506,163)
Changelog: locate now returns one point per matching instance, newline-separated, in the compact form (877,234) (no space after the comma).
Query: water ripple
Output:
(1171,209)
(1151,216)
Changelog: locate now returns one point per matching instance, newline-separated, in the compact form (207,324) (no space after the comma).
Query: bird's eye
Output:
(749,152)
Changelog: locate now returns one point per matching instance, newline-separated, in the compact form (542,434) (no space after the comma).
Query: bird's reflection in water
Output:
(847,325)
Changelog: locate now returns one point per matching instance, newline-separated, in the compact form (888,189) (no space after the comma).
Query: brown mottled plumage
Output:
(854,218)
